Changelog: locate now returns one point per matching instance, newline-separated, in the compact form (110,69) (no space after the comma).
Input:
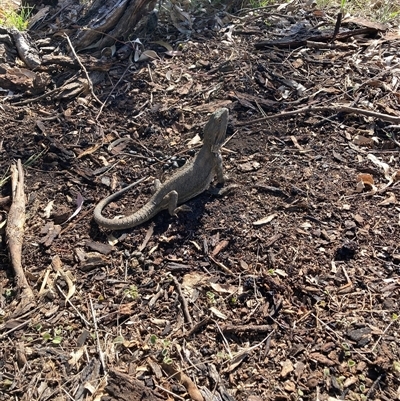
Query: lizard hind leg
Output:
(172,199)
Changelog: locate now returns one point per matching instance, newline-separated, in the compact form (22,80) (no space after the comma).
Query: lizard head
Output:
(215,129)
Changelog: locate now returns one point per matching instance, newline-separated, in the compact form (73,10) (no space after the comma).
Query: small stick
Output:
(101,353)
(83,68)
(337,26)
(184,302)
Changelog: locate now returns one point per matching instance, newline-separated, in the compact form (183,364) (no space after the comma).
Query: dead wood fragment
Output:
(205,322)
(190,386)
(114,19)
(122,387)
(90,62)
(337,26)
(28,54)
(20,355)
(301,40)
(231,328)
(104,249)
(23,80)
(15,238)
(184,302)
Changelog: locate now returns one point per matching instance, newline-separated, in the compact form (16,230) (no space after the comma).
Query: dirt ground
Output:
(283,287)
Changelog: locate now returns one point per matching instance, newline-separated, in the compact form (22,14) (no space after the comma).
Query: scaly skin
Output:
(186,183)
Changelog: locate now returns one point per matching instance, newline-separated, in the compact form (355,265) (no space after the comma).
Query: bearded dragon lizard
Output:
(186,183)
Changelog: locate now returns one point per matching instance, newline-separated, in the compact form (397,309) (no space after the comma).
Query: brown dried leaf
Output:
(363,140)
(287,367)
(225,288)
(316,356)
(366,181)
(218,313)
(389,201)
(219,247)
(265,220)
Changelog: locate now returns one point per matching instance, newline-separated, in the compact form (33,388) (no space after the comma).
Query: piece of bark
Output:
(116,18)
(122,387)
(28,54)
(15,238)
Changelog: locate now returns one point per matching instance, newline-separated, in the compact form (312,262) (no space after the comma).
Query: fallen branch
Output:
(15,239)
(337,108)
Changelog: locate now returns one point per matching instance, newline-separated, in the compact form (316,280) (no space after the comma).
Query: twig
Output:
(185,306)
(17,327)
(83,68)
(176,396)
(373,387)
(381,336)
(73,306)
(101,353)
(337,108)
(247,350)
(111,92)
(225,341)
(337,26)
(198,326)
(221,265)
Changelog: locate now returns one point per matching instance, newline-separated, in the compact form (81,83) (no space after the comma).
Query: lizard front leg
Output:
(219,170)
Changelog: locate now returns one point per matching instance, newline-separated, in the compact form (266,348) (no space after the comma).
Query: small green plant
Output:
(131,292)
(165,356)
(396,366)
(211,298)
(222,356)
(56,339)
(46,336)
(346,349)
(164,347)
(351,363)
(118,340)
(14,19)
(153,339)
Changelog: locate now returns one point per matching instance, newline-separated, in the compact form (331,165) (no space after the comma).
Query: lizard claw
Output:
(182,208)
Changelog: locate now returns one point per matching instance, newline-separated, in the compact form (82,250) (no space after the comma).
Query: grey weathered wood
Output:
(110,20)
